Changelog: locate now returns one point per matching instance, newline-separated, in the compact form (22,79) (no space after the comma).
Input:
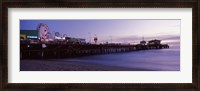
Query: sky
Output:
(115,31)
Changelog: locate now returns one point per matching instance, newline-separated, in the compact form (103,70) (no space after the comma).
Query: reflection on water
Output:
(163,59)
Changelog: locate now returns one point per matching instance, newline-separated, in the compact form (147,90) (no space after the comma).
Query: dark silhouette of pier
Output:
(36,51)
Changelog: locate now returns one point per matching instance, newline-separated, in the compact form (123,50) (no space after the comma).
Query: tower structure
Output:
(95,39)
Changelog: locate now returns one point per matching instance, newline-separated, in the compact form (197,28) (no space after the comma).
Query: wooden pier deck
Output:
(35,51)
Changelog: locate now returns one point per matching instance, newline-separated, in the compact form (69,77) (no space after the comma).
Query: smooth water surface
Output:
(158,59)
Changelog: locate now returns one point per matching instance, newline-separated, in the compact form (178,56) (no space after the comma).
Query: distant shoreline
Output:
(55,65)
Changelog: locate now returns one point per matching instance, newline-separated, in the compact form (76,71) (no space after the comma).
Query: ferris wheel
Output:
(43,30)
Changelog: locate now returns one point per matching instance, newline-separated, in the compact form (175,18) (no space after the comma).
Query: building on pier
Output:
(143,42)
(154,42)
(28,34)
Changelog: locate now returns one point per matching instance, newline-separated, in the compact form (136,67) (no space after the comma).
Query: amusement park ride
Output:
(46,36)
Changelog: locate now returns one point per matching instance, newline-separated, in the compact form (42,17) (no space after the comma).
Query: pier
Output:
(51,51)
(41,44)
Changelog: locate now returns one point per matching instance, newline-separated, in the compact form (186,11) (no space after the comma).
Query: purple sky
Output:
(120,31)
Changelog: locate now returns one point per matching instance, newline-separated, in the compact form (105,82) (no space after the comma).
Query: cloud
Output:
(161,37)
(169,39)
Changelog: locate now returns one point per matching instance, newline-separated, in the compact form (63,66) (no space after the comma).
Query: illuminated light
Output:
(63,38)
(44,46)
(32,37)
(57,37)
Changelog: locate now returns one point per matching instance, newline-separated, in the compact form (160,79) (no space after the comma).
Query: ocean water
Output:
(158,59)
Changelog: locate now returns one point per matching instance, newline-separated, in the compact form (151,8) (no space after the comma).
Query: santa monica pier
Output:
(41,44)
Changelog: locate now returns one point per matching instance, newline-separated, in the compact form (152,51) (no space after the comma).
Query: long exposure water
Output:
(160,59)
